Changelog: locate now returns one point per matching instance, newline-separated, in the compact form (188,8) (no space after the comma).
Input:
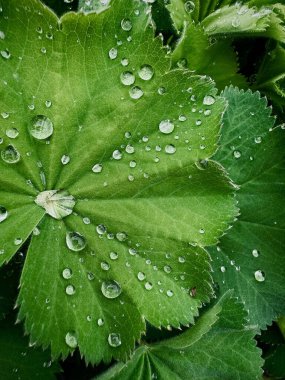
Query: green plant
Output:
(142,198)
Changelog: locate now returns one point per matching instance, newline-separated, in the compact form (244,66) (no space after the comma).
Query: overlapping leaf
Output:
(131,142)
(208,350)
(250,258)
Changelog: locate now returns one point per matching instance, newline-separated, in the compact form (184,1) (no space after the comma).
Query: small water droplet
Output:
(3,213)
(136,92)
(258,139)
(133,164)
(65,159)
(2,35)
(148,286)
(237,154)
(111,289)
(97,168)
(126,24)
(101,229)
(146,72)
(5,115)
(223,269)
(189,6)
(71,340)
(255,253)
(161,90)
(5,54)
(75,241)
(208,100)
(124,62)
(113,255)
(121,236)
(130,149)
(10,155)
(86,220)
(170,149)
(105,265)
(41,127)
(181,259)
(12,133)
(166,126)
(18,241)
(127,78)
(113,53)
(259,276)
(169,293)
(198,122)
(117,155)
(67,273)
(114,340)
(100,322)
(141,276)
(70,290)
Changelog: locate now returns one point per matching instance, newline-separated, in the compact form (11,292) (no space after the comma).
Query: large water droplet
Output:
(127,78)
(41,127)
(114,340)
(3,213)
(126,24)
(136,92)
(111,289)
(75,241)
(146,72)
(71,340)
(57,204)
(10,155)
(170,149)
(166,126)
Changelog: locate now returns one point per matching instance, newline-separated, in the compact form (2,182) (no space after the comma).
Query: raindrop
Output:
(5,115)
(117,155)
(18,241)
(97,168)
(113,53)
(101,229)
(136,92)
(114,340)
(258,140)
(48,103)
(146,72)
(111,289)
(5,54)
(121,236)
(75,241)
(198,122)
(105,266)
(167,269)
(166,126)
(169,293)
(170,149)
(130,149)
(133,164)
(237,154)
(124,62)
(182,118)
(86,220)
(65,159)
(67,273)
(3,213)
(259,276)
(161,90)
(10,155)
(2,35)
(201,231)
(12,133)
(181,259)
(148,286)
(41,127)
(70,290)
(189,6)
(71,340)
(126,24)
(113,255)
(141,276)
(255,253)
(100,322)
(127,78)
(208,100)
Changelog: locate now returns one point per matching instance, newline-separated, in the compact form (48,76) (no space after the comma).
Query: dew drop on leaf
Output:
(170,149)
(189,6)
(71,340)
(75,241)
(86,220)
(70,290)
(101,229)
(223,269)
(117,155)
(111,289)
(2,35)
(65,159)
(161,90)
(255,253)
(10,155)
(208,100)
(57,204)
(148,286)
(127,78)
(18,241)
(5,115)
(113,53)
(114,340)
(141,276)
(113,255)
(3,213)
(100,322)
(67,273)
(121,236)
(146,72)
(259,276)
(169,293)
(48,103)
(97,168)
(126,24)
(136,92)
(105,265)
(5,54)
(41,127)
(166,126)
(258,139)
(12,133)
(237,154)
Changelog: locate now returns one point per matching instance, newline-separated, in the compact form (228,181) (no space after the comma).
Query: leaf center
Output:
(57,203)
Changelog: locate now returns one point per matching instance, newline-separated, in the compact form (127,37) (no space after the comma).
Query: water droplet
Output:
(70,290)
(117,155)
(148,286)
(198,122)
(166,126)
(114,340)
(67,273)
(121,236)
(57,204)
(71,340)
(223,269)
(2,35)
(237,154)
(97,168)
(89,318)
(130,149)
(169,293)
(201,231)
(111,289)
(113,53)
(141,276)
(10,155)
(5,115)
(136,92)
(3,213)
(12,133)
(161,90)
(105,266)
(100,322)
(181,259)
(5,54)
(65,159)
(127,78)
(126,24)
(189,6)
(258,139)
(255,253)
(146,72)
(113,255)
(170,149)
(133,164)
(124,62)
(182,118)
(90,276)
(208,100)
(259,276)
(75,241)
(18,241)
(41,127)
(86,220)
(101,229)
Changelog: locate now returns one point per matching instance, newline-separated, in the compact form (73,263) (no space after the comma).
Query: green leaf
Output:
(250,258)
(18,360)
(128,207)
(208,350)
